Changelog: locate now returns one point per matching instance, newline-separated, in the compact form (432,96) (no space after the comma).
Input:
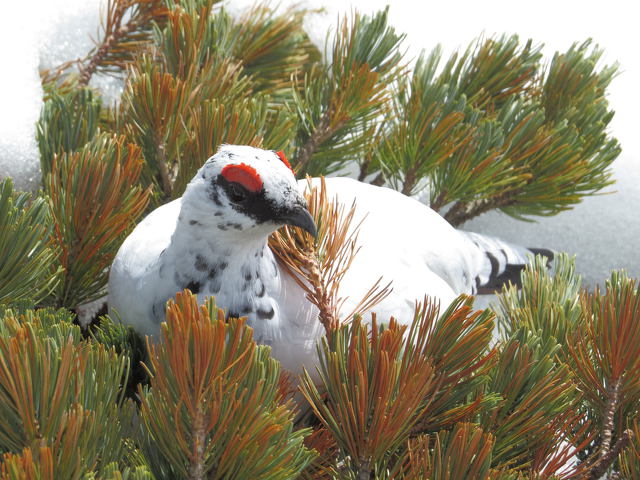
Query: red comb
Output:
(282,157)
(244,175)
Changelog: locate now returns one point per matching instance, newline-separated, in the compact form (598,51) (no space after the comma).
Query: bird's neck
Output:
(239,270)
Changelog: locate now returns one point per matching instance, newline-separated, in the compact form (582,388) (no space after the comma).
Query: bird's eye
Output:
(236,193)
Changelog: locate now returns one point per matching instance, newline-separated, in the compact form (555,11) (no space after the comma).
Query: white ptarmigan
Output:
(213,240)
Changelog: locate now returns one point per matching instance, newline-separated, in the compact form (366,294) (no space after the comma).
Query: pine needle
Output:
(319,265)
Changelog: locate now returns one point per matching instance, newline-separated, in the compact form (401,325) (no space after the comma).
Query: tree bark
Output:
(86,72)
(319,135)
(464,211)
(607,454)
(364,471)
(196,469)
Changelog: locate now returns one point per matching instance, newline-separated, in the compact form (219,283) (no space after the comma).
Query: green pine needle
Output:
(28,260)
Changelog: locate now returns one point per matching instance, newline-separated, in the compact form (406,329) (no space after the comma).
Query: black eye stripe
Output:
(255,205)
(237,192)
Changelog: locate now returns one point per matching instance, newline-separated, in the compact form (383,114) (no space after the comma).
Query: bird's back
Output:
(406,242)
(403,241)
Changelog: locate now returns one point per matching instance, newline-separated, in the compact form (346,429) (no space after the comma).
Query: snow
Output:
(602,231)
(20,99)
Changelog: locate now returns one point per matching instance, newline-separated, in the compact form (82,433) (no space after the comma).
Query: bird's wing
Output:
(134,277)
(300,328)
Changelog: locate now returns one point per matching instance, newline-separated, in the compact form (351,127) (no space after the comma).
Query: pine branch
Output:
(610,456)
(59,396)
(535,390)
(197,467)
(376,381)
(119,42)
(334,101)
(28,259)
(526,146)
(94,200)
(194,39)
(572,85)
(153,105)
(273,48)
(212,408)
(458,347)
(461,454)
(601,359)
(462,212)
(320,134)
(493,70)
(493,169)
(167,113)
(613,392)
(603,356)
(424,128)
(112,36)
(68,121)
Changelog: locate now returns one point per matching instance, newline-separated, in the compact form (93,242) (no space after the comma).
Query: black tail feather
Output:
(510,273)
(500,263)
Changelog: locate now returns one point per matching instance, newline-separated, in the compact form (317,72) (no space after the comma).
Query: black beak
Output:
(299,216)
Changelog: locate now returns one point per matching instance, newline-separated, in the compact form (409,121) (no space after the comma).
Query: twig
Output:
(409,182)
(115,33)
(607,454)
(463,211)
(196,470)
(607,424)
(364,471)
(439,201)
(327,315)
(319,135)
(379,180)
(96,59)
(318,266)
(111,39)
(605,461)
(364,169)
(163,168)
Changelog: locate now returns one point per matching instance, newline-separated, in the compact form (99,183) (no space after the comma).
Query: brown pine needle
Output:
(318,266)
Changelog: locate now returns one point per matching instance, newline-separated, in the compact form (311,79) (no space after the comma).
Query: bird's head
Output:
(247,189)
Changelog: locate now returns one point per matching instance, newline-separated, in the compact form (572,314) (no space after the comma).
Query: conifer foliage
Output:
(61,406)
(93,196)
(28,268)
(543,386)
(213,410)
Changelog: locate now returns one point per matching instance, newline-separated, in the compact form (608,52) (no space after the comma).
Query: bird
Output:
(214,241)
